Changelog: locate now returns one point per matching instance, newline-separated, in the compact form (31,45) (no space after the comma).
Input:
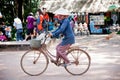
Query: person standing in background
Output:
(39,21)
(30,26)
(114,18)
(19,29)
(50,25)
(72,23)
(45,19)
(85,27)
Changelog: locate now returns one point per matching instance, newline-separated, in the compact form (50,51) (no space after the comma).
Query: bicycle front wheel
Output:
(80,62)
(34,63)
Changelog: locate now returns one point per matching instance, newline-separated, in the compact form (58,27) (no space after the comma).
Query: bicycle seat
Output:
(76,45)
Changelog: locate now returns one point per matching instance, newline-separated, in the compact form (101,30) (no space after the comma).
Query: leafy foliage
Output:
(21,8)
(118,32)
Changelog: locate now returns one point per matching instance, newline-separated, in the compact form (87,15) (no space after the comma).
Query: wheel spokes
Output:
(80,62)
(36,59)
(76,56)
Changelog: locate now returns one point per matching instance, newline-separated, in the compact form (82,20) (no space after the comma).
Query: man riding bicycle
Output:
(68,35)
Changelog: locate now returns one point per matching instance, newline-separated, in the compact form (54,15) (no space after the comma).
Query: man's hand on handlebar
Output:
(49,34)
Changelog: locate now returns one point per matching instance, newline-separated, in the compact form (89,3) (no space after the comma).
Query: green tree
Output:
(20,8)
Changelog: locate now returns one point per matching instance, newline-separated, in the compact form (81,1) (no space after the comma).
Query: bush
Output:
(118,32)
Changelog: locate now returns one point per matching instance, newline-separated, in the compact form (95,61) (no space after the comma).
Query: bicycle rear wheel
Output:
(34,63)
(80,62)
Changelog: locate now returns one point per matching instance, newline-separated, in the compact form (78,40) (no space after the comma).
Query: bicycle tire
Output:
(34,63)
(76,56)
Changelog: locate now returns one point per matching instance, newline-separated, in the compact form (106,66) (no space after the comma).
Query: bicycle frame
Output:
(44,49)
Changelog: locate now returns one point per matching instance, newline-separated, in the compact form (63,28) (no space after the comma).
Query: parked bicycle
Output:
(35,61)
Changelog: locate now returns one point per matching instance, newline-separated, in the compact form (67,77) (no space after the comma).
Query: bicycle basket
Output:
(35,43)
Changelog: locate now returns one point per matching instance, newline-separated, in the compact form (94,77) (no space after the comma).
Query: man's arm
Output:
(61,28)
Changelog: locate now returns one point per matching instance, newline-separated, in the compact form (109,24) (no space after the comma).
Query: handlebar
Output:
(45,36)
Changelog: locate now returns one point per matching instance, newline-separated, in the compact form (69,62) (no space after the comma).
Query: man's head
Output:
(62,13)
(30,14)
(61,17)
(44,10)
(39,11)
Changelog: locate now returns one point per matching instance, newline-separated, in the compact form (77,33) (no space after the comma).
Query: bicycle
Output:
(35,61)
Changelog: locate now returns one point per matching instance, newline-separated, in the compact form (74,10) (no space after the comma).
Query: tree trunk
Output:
(20,3)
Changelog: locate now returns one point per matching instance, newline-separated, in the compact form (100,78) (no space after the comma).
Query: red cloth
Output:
(40,25)
(46,17)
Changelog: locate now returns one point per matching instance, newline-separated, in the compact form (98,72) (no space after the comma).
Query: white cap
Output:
(17,20)
(31,13)
(62,11)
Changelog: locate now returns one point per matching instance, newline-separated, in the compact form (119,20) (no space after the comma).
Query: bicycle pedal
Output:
(53,61)
(58,64)
(65,65)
